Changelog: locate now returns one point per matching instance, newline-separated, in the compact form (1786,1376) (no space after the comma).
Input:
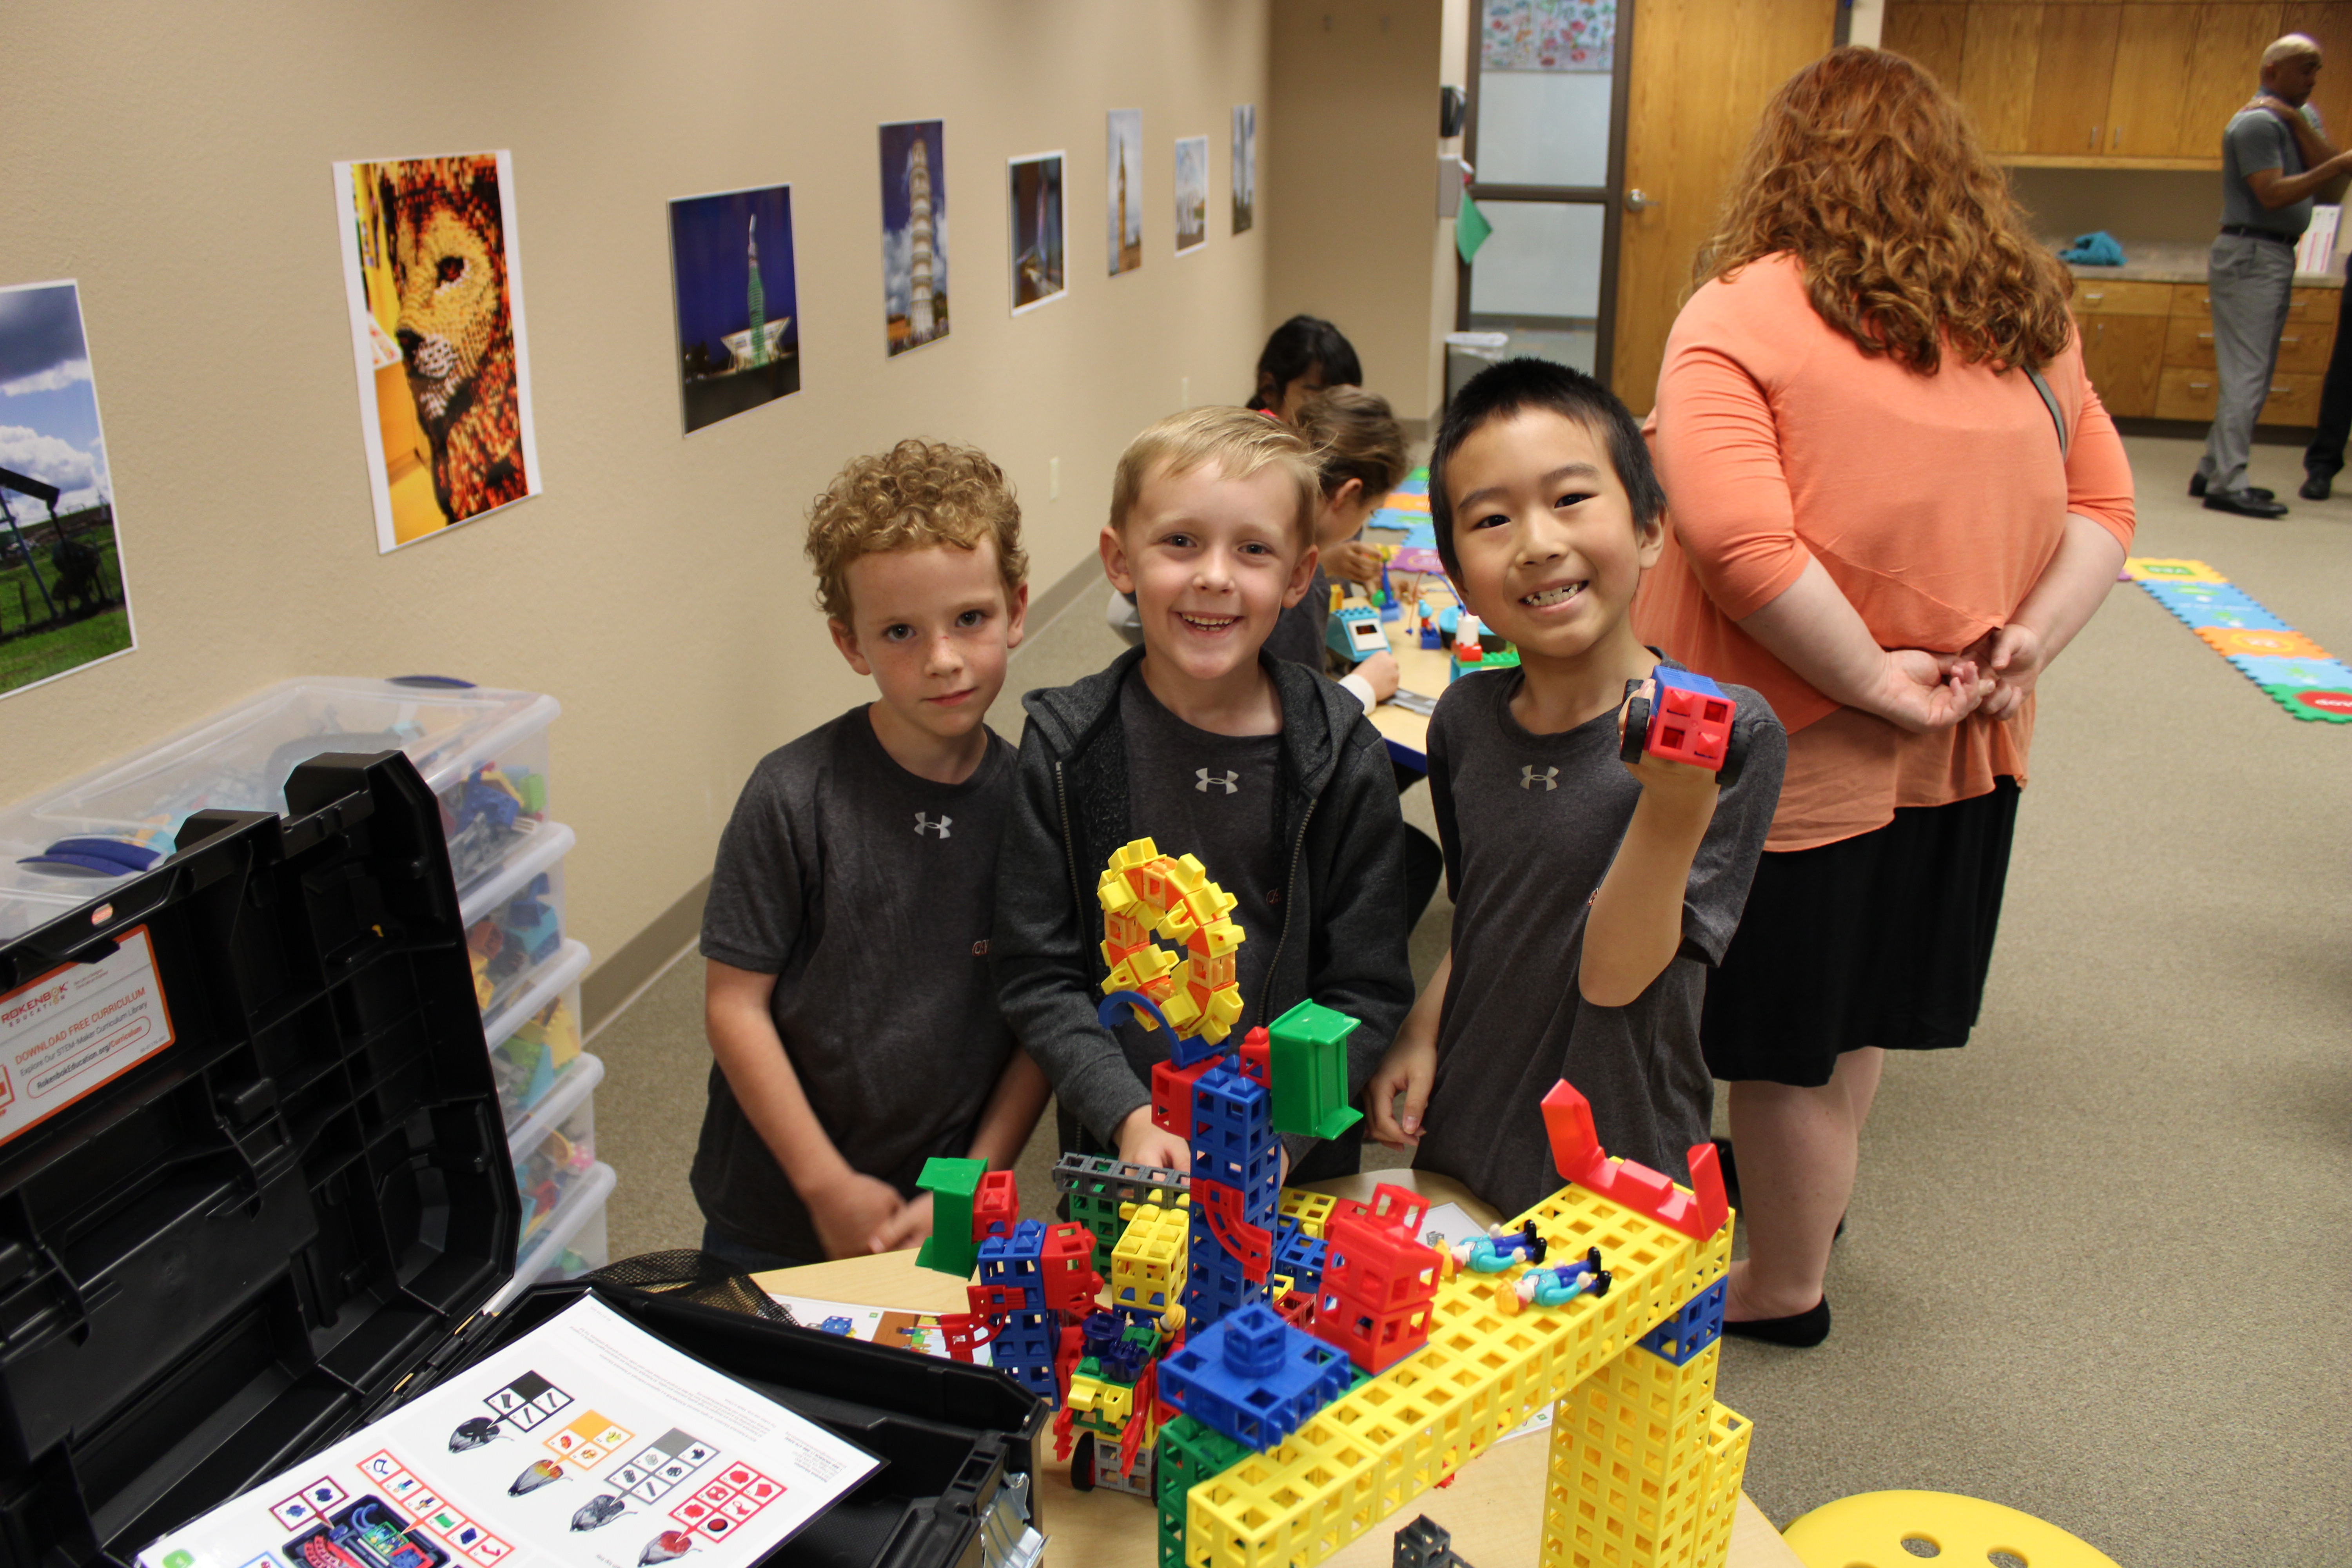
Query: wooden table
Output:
(1494,1508)
(1424,670)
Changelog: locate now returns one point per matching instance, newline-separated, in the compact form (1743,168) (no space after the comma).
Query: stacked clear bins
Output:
(484,754)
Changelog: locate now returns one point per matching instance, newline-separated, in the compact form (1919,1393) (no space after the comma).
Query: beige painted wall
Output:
(175,159)
(1353,174)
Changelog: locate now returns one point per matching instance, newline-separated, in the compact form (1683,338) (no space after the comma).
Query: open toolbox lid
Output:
(252,1168)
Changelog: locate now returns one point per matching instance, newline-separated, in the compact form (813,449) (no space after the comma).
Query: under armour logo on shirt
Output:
(923,824)
(1529,778)
(1230,782)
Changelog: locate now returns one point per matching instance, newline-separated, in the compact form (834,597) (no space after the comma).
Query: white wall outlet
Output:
(1053,479)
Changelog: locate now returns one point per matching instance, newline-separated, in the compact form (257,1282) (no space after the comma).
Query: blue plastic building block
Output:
(1298,1256)
(836,1324)
(1233,1140)
(1697,1325)
(1254,1377)
(1354,633)
(1015,1263)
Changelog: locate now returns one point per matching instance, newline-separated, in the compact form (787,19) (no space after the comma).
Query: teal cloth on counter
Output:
(2098,249)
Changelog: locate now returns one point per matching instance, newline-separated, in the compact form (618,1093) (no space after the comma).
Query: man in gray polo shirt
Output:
(2274,156)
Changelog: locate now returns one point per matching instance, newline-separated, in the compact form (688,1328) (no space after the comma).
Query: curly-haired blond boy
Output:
(850,1009)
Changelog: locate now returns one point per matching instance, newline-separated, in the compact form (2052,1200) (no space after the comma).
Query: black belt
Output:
(2250,232)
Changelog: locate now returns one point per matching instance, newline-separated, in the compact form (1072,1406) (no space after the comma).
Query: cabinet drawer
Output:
(2315,304)
(2182,392)
(2094,297)
(2303,346)
(2185,393)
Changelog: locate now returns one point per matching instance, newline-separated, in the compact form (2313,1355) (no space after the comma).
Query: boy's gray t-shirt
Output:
(2257,138)
(1218,797)
(868,891)
(1530,825)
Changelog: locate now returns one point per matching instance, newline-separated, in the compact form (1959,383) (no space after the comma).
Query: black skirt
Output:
(1879,940)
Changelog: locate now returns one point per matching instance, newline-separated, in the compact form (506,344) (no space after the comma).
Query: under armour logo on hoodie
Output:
(923,824)
(1529,778)
(1230,782)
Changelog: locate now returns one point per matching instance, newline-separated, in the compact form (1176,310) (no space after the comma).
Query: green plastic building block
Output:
(1310,1071)
(1190,1453)
(952,1184)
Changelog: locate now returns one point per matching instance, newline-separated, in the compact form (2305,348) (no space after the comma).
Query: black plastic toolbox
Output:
(284,1192)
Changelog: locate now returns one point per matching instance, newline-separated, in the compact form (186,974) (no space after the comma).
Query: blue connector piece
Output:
(1015,1263)
(1254,1377)
(1697,1325)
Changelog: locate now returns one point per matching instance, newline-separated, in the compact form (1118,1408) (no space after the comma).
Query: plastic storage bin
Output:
(555,1144)
(514,917)
(571,1244)
(534,1035)
(483,753)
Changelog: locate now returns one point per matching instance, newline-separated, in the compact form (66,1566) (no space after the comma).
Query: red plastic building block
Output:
(965,1331)
(1252,1245)
(1576,1151)
(1066,1263)
(1172,1095)
(1257,1059)
(1379,1280)
(1690,721)
(990,1301)
(996,1206)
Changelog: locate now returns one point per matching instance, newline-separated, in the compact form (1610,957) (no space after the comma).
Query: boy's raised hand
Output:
(1140,1142)
(850,1212)
(905,1228)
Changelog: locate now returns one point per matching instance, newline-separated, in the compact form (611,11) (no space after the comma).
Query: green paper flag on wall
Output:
(1470,230)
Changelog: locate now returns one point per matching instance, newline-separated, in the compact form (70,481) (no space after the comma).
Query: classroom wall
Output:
(1354,175)
(2171,205)
(175,160)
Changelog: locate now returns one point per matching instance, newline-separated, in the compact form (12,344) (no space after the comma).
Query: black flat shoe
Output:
(2316,487)
(2197,488)
(2244,503)
(1799,1331)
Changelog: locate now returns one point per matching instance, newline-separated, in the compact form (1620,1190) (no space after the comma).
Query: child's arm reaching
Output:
(849,1208)
(1005,1123)
(1636,924)
(1409,1066)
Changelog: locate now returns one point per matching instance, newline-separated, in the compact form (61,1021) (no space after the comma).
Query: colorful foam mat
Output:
(2293,670)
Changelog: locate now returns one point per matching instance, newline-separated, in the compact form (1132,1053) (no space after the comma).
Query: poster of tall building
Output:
(738,332)
(1124,208)
(914,234)
(1033,195)
(64,602)
(1244,167)
(1191,193)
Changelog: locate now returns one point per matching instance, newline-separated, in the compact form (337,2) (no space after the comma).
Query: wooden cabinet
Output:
(2074,77)
(2148,349)
(2140,82)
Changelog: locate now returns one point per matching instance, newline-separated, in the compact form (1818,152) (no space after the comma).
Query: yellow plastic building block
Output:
(1727,1467)
(1628,1475)
(1311,1210)
(1362,1458)
(1144,894)
(1146,1267)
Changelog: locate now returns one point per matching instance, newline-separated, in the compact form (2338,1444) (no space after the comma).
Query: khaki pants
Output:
(2249,281)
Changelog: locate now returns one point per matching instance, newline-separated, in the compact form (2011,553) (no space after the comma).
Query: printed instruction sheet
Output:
(588,1441)
(901,1326)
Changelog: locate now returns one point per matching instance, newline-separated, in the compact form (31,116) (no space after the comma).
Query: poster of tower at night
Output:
(739,343)
(914,234)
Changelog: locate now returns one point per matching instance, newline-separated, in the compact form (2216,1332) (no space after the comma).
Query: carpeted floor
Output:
(2096,1266)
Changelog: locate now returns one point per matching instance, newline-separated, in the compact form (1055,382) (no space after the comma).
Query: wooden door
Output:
(2156,51)
(1997,72)
(2327,23)
(1933,33)
(2073,76)
(2124,356)
(1702,70)
(2230,43)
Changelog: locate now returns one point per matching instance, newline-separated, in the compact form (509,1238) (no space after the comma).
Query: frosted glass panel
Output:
(1543,260)
(1543,128)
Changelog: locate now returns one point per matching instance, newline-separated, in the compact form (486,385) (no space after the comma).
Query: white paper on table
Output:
(2315,251)
(903,1326)
(586,1442)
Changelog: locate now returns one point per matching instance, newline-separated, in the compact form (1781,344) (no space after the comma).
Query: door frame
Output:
(1610,196)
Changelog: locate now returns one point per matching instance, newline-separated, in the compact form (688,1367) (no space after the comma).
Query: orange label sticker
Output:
(77,1028)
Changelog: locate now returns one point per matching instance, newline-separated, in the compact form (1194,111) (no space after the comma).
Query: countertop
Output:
(2172,261)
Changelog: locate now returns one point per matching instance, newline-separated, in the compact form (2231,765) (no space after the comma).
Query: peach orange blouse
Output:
(1933,501)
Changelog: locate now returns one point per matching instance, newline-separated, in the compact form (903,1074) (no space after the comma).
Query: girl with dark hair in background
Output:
(1305,356)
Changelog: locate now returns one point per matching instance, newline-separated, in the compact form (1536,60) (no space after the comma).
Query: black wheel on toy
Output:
(1637,729)
(1082,1463)
(1735,757)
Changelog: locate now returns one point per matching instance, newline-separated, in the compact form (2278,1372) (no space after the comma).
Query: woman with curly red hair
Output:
(1894,500)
